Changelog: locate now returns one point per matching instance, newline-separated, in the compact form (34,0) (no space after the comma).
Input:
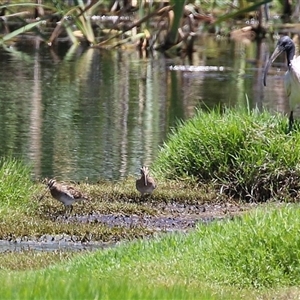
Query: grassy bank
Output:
(248,155)
(28,217)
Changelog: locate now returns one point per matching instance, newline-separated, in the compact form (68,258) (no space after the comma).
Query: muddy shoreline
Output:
(171,217)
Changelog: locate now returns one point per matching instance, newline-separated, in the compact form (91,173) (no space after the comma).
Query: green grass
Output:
(33,260)
(247,154)
(84,287)
(223,260)
(16,186)
(260,249)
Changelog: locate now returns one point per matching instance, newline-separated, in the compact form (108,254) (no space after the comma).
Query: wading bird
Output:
(146,184)
(65,194)
(292,76)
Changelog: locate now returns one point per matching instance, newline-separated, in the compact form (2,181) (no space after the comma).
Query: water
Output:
(90,114)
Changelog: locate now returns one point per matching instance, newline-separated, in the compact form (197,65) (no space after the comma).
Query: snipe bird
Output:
(146,184)
(65,194)
(292,76)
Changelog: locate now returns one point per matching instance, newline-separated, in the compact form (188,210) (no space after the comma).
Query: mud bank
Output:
(170,217)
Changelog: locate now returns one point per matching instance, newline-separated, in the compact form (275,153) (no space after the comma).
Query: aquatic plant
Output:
(59,13)
(169,28)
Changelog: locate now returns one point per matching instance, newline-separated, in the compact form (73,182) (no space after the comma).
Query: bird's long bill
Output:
(144,173)
(275,54)
(41,198)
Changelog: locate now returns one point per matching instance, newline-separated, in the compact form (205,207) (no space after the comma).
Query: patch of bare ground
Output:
(115,213)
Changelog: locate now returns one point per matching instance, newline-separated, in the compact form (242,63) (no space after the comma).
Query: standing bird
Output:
(292,76)
(146,184)
(65,194)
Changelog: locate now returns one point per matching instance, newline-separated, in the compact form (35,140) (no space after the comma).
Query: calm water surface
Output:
(89,114)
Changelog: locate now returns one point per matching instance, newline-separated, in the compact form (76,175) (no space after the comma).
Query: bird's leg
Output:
(65,212)
(41,197)
(291,121)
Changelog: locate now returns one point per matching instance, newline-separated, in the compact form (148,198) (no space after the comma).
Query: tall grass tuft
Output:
(247,154)
(16,187)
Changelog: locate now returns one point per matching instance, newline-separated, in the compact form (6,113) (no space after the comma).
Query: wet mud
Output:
(172,217)
(169,218)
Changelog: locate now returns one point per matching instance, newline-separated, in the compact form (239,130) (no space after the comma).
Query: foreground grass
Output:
(227,260)
(33,260)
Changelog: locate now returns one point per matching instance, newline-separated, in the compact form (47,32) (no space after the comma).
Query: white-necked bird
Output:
(292,76)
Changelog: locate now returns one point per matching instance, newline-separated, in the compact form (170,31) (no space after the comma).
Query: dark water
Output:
(78,114)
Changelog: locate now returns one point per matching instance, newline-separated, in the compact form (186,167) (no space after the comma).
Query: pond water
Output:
(90,114)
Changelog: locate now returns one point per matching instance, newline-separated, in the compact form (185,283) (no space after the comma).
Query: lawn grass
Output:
(33,260)
(255,255)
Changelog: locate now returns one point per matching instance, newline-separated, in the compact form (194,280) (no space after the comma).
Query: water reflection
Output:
(94,114)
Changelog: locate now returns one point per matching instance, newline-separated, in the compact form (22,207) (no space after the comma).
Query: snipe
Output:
(146,184)
(65,194)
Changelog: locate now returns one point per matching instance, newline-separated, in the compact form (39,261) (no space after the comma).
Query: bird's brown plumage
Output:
(65,194)
(146,184)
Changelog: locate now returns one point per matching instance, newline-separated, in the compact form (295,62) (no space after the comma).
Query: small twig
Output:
(21,13)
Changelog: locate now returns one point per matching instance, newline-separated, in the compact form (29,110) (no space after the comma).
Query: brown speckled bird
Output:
(65,194)
(146,184)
